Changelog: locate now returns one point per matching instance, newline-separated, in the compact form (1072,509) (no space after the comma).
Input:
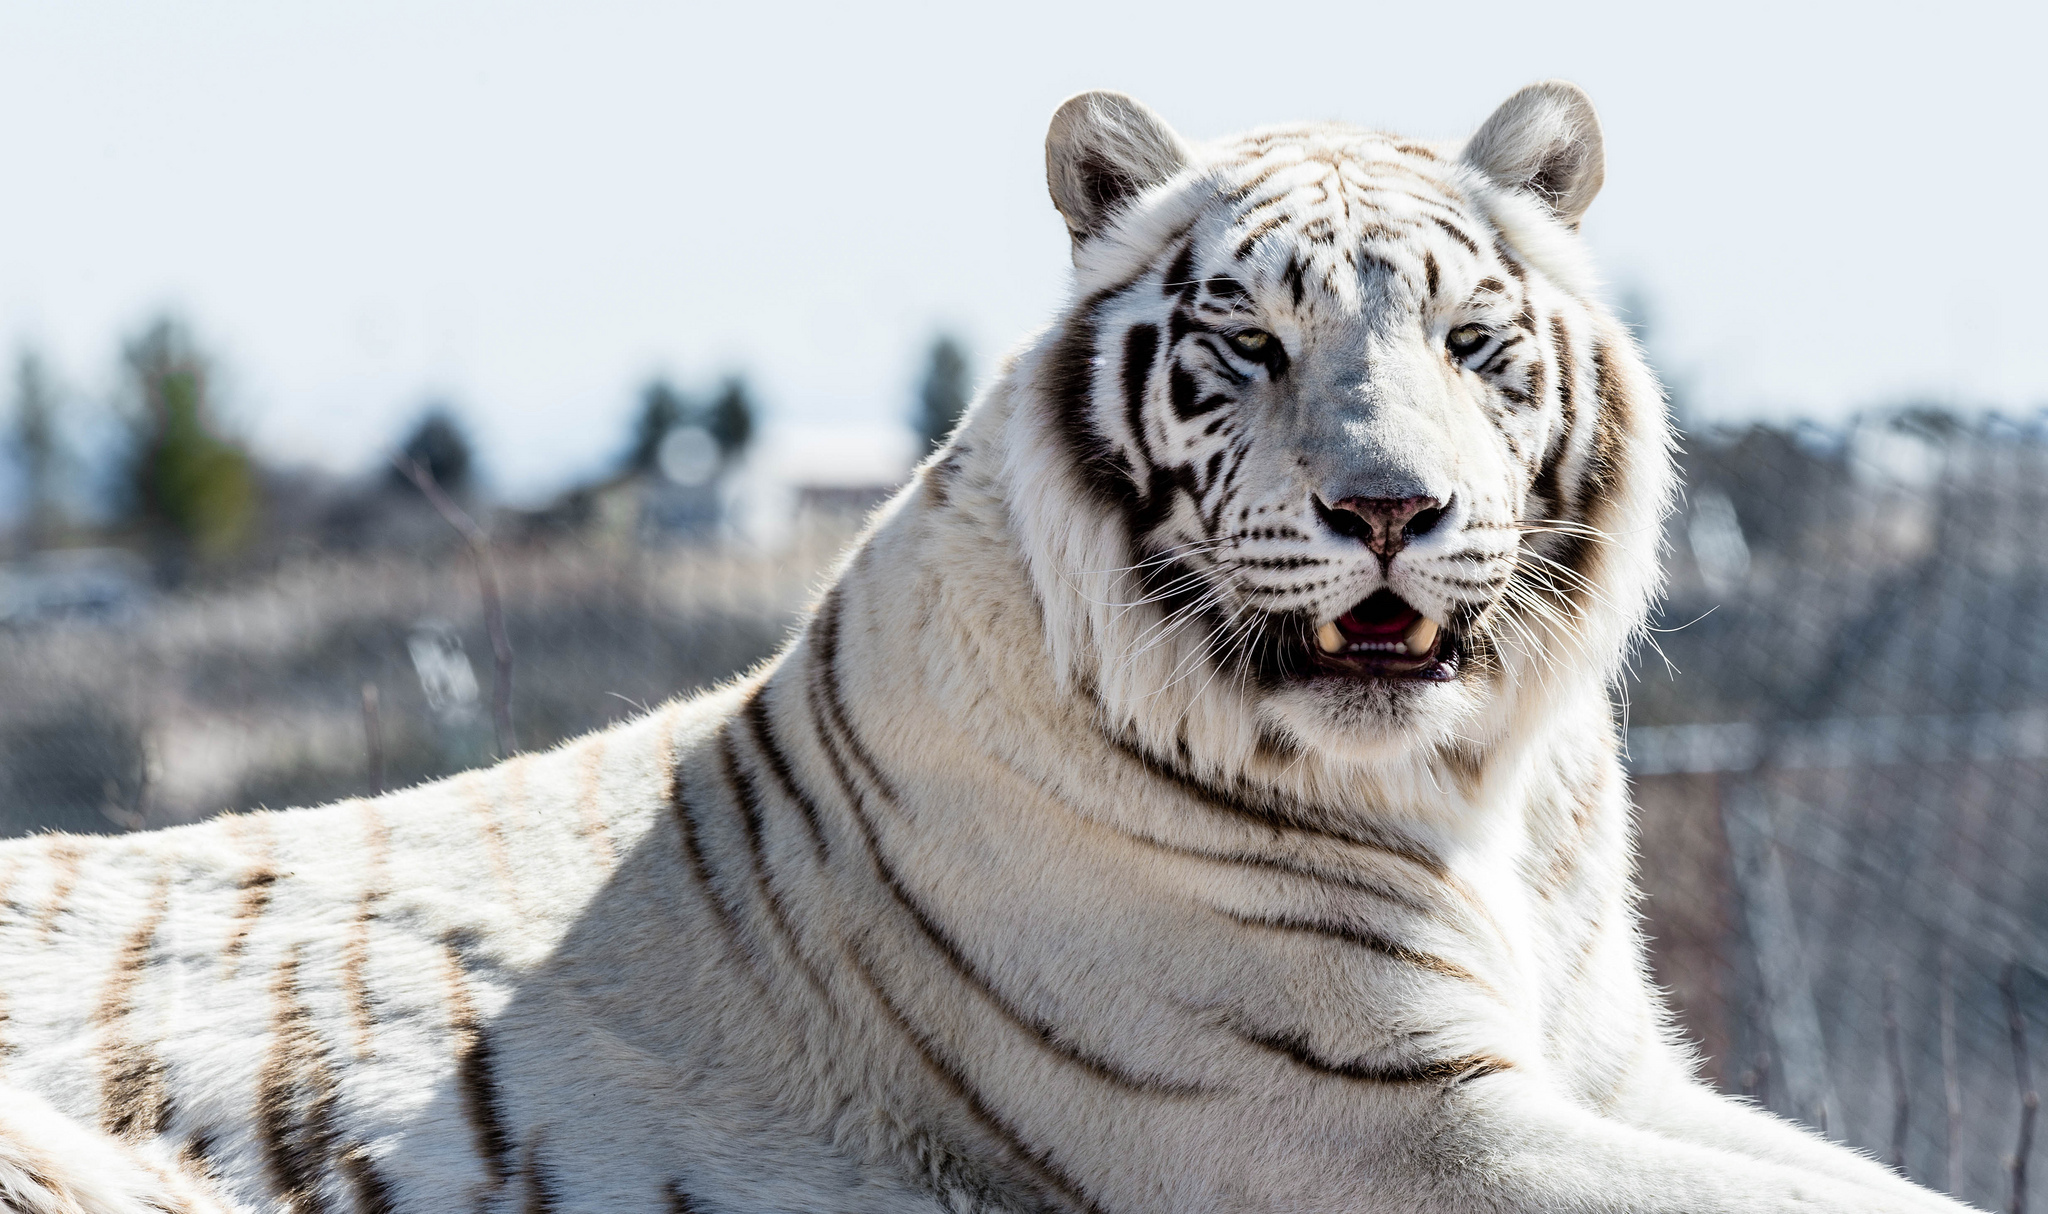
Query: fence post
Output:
(1789,1013)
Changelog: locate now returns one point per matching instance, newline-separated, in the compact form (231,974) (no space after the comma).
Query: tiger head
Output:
(1335,449)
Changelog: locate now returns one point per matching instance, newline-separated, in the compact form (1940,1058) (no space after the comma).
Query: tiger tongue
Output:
(1374,621)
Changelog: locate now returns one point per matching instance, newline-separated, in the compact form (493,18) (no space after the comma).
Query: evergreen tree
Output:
(942,400)
(662,409)
(187,483)
(438,444)
(730,420)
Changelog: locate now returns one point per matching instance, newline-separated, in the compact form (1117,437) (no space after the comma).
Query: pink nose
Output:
(1385,524)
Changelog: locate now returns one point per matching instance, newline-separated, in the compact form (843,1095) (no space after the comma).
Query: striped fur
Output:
(1039,872)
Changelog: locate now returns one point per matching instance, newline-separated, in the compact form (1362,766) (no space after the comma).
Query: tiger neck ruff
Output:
(1197,792)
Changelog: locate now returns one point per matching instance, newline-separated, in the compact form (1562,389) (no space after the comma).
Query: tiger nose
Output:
(1385,524)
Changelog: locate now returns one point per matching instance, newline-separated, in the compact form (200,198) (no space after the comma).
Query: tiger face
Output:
(1360,422)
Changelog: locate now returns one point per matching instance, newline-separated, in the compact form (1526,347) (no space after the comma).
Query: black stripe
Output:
(197,1155)
(756,713)
(848,792)
(1044,1033)
(1507,259)
(749,798)
(1494,362)
(1270,814)
(1447,1070)
(1456,233)
(1611,420)
(1609,424)
(1243,190)
(373,1192)
(1368,940)
(724,914)
(1532,390)
(686,821)
(1038,1160)
(1213,519)
(1141,349)
(1280,864)
(476,1073)
(295,1097)
(1184,390)
(135,1096)
(255,887)
(1431,274)
(1180,274)
(1068,380)
(1295,278)
(1546,483)
(678,1199)
(540,1184)
(825,634)
(1258,233)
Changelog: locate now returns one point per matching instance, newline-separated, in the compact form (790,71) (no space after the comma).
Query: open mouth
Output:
(1385,638)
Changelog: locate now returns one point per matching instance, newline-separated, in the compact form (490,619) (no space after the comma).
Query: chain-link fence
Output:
(1840,754)
(1843,780)
(349,674)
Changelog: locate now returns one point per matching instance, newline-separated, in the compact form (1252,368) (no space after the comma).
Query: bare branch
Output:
(487,580)
(1895,1062)
(2023,1075)
(1951,1080)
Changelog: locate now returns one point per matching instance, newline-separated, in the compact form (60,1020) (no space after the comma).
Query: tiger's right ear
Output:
(1544,142)
(1104,149)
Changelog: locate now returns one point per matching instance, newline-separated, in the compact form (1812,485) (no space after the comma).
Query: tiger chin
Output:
(1198,791)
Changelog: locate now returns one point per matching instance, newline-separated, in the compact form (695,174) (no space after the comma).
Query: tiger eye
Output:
(1465,340)
(1251,341)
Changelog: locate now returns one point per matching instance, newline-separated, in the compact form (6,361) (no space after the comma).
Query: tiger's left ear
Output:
(1545,142)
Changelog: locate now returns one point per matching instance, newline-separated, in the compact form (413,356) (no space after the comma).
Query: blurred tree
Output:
(438,444)
(187,483)
(35,444)
(943,397)
(662,409)
(730,419)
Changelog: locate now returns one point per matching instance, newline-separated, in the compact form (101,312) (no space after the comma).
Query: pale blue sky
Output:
(530,208)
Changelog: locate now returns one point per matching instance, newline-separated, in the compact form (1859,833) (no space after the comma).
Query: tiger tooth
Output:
(1329,638)
(1420,637)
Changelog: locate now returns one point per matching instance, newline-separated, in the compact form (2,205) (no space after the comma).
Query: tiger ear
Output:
(1104,149)
(1545,142)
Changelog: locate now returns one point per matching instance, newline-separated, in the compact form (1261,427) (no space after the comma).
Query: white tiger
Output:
(1198,792)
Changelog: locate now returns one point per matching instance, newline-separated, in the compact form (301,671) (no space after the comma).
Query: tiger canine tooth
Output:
(1329,638)
(1420,637)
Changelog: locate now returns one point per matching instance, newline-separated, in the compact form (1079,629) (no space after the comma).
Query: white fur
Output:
(948,939)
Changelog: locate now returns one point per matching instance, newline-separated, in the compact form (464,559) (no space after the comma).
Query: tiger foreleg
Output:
(1508,1146)
(1691,1112)
(50,1164)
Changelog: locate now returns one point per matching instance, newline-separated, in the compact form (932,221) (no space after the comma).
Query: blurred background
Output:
(392,386)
